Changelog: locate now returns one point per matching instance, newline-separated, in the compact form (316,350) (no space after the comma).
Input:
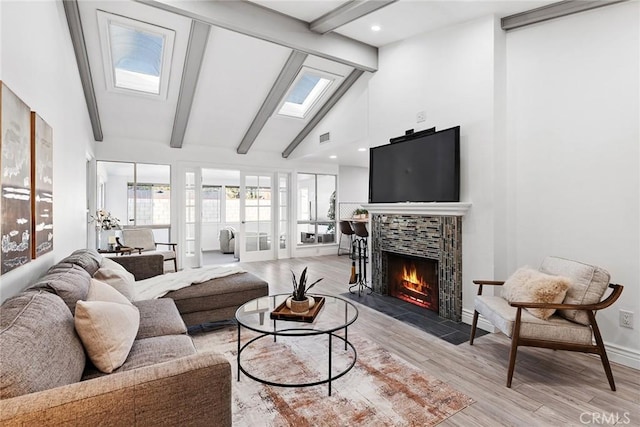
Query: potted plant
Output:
(360,213)
(299,302)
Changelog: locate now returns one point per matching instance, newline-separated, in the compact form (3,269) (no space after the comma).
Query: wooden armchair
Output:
(573,327)
(144,238)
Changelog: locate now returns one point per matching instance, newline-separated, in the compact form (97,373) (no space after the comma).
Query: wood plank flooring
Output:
(550,388)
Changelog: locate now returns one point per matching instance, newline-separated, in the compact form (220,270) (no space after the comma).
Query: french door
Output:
(257,214)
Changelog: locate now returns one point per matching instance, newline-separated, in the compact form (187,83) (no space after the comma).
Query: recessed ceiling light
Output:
(362,149)
(333,156)
(375,28)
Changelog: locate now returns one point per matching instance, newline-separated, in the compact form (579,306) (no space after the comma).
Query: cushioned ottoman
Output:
(217,299)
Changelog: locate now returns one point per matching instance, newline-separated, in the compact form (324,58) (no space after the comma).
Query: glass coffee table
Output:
(335,315)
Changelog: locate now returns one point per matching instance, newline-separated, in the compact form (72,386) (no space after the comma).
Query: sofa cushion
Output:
(39,347)
(88,259)
(116,275)
(159,317)
(498,311)
(529,285)
(70,282)
(588,284)
(150,351)
(107,324)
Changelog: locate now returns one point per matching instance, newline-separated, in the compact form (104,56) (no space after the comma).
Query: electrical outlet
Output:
(626,319)
(421,116)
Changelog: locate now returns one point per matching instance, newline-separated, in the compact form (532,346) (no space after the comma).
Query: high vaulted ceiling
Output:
(233,63)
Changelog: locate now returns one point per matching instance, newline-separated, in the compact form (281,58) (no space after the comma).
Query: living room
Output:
(549,147)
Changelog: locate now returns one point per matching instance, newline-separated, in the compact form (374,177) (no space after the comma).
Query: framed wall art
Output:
(15,180)
(41,186)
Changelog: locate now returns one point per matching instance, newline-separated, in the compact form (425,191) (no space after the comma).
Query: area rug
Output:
(382,389)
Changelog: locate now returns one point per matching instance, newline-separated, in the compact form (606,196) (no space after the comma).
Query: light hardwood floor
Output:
(550,388)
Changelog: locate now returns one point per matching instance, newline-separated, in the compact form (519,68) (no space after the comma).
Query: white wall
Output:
(573,133)
(353,184)
(449,74)
(38,64)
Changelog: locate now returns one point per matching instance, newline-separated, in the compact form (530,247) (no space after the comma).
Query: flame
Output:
(411,276)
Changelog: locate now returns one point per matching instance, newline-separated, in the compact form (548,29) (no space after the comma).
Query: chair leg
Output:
(601,350)
(514,347)
(175,265)
(473,327)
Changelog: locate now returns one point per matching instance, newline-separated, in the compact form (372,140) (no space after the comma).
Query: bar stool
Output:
(346,230)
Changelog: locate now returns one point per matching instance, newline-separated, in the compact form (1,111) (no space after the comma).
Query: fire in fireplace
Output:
(414,280)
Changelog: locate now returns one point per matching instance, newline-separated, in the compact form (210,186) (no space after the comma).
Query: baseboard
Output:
(623,355)
(467,317)
(618,354)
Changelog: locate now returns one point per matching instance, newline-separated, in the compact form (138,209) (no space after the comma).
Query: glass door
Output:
(191,238)
(257,224)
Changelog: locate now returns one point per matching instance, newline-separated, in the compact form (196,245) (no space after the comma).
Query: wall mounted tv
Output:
(425,168)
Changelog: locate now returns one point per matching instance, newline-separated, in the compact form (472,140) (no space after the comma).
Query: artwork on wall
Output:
(41,186)
(15,180)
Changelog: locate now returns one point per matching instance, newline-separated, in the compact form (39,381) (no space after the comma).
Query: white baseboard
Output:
(618,354)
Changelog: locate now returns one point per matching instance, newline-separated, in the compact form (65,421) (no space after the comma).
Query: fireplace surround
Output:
(429,231)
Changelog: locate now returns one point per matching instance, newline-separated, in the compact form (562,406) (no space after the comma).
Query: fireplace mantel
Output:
(431,209)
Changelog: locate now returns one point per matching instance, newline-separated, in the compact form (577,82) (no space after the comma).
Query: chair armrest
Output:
(173,245)
(192,390)
(613,296)
(487,282)
(142,266)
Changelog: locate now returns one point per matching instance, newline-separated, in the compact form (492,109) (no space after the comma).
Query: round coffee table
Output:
(336,314)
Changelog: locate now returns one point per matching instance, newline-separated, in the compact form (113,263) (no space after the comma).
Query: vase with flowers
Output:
(106,226)
(299,302)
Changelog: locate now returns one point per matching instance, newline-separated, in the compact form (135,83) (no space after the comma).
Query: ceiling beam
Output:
(279,88)
(333,100)
(552,11)
(262,23)
(198,37)
(82,59)
(346,13)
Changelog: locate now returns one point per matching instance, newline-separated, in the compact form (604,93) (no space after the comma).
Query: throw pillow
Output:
(529,285)
(100,291)
(107,331)
(112,273)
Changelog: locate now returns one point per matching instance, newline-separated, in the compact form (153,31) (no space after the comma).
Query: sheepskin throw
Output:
(529,285)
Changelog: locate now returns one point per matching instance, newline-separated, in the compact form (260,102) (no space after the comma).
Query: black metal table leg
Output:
(330,350)
(238,351)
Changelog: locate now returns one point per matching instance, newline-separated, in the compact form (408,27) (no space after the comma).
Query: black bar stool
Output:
(361,232)
(346,230)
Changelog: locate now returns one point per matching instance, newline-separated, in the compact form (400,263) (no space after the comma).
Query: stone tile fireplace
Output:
(416,254)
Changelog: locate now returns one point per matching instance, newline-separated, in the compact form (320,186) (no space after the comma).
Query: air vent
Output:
(324,138)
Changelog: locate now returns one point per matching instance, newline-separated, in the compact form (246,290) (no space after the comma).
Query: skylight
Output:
(136,55)
(305,93)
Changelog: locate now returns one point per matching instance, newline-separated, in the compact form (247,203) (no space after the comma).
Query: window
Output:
(137,194)
(316,208)
(305,92)
(211,203)
(232,205)
(137,54)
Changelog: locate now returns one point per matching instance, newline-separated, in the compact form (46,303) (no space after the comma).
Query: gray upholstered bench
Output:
(210,301)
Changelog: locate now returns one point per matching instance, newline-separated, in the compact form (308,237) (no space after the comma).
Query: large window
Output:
(138,194)
(316,209)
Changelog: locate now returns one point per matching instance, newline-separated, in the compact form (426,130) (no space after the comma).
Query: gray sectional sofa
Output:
(46,377)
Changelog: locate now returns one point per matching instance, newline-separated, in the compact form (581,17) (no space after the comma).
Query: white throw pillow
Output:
(529,285)
(114,274)
(107,324)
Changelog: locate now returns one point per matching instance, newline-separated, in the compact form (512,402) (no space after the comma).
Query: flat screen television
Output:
(421,169)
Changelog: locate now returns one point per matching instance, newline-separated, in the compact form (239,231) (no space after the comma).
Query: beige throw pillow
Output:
(107,324)
(117,276)
(529,285)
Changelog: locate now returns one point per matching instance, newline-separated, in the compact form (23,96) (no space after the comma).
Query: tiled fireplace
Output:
(417,256)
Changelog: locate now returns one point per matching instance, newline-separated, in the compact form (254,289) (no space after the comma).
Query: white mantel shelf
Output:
(432,209)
